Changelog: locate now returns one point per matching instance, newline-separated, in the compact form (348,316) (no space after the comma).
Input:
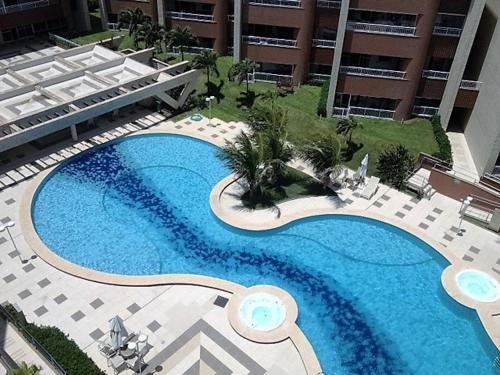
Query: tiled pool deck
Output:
(187,327)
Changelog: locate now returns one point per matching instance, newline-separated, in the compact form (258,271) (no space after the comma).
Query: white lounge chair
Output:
(371,188)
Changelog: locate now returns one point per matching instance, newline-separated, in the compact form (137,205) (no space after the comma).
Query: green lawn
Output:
(96,34)
(304,124)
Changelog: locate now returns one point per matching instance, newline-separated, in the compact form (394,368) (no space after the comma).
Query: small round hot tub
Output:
(478,285)
(262,311)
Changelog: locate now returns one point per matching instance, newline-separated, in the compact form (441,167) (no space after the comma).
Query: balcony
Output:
(443,76)
(317,77)
(273,42)
(370,72)
(268,77)
(447,31)
(190,16)
(324,43)
(23,6)
(424,111)
(329,4)
(470,85)
(375,28)
(364,112)
(276,3)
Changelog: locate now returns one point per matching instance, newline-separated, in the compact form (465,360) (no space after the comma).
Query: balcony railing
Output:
(470,85)
(24,6)
(324,43)
(435,74)
(447,31)
(289,43)
(329,4)
(318,77)
(190,16)
(278,3)
(381,29)
(423,111)
(370,72)
(190,49)
(268,77)
(364,112)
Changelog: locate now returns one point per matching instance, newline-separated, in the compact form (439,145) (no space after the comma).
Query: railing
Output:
(370,72)
(32,341)
(470,85)
(190,16)
(63,42)
(192,50)
(329,4)
(279,3)
(115,27)
(381,29)
(447,31)
(250,39)
(24,6)
(435,74)
(364,112)
(318,77)
(425,111)
(268,77)
(324,43)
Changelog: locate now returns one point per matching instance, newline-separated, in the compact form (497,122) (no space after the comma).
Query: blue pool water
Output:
(369,295)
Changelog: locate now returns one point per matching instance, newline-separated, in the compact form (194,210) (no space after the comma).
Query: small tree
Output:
(180,37)
(324,156)
(394,164)
(24,369)
(206,60)
(151,34)
(347,126)
(240,71)
(132,19)
(268,115)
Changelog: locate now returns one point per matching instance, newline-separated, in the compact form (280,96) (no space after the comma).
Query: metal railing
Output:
(112,26)
(381,29)
(371,72)
(364,112)
(329,4)
(276,42)
(267,77)
(324,43)
(63,42)
(32,341)
(191,49)
(435,74)
(470,85)
(24,6)
(424,111)
(190,16)
(318,77)
(279,3)
(447,31)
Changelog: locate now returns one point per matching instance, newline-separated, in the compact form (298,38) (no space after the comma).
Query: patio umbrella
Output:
(363,168)
(116,331)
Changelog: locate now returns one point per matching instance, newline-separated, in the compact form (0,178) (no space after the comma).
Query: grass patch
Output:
(97,37)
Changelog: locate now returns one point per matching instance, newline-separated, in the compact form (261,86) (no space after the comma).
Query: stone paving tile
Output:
(28,268)
(348,201)
(2,240)
(5,219)
(214,135)
(430,218)
(77,316)
(40,311)
(9,278)
(437,211)
(178,127)
(10,201)
(467,258)
(187,122)
(43,283)
(377,204)
(223,131)
(407,207)
(454,229)
(60,299)
(201,129)
(154,326)
(400,214)
(97,334)
(14,254)
(414,200)
(133,308)
(447,237)
(24,294)
(385,197)
(423,226)
(475,250)
(221,301)
(96,303)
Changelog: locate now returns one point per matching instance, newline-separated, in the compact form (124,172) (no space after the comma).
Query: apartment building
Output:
(22,19)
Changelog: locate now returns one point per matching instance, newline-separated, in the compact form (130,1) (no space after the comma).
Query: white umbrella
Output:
(116,331)
(363,168)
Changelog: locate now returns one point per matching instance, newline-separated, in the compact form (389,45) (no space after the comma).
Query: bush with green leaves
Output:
(93,5)
(323,99)
(64,350)
(442,140)
(394,165)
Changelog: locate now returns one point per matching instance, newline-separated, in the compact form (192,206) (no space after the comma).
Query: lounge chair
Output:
(371,188)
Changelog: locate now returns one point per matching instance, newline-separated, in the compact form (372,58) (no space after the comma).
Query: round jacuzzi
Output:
(478,285)
(262,311)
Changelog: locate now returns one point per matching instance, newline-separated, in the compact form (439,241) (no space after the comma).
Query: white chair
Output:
(371,188)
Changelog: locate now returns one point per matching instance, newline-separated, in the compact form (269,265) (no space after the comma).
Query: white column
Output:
(237,26)
(161,12)
(74,134)
(104,14)
(337,56)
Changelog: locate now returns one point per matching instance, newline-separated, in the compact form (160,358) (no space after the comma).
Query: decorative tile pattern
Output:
(24,294)
(223,131)
(154,326)
(43,283)
(430,218)
(40,311)
(348,201)
(423,226)
(9,278)
(455,229)
(97,334)
(78,316)
(221,301)
(6,219)
(201,129)
(96,303)
(14,254)
(2,240)
(437,211)
(400,214)
(10,201)
(178,127)
(475,250)
(385,197)
(467,258)
(447,237)
(378,204)
(60,299)
(28,268)
(407,207)
(414,200)
(133,308)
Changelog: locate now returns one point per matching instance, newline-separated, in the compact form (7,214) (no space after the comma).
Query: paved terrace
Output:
(187,325)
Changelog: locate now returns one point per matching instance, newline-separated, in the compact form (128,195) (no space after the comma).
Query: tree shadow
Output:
(215,90)
(246,99)
(350,149)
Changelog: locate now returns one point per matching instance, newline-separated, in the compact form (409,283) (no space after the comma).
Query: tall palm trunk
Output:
(182,53)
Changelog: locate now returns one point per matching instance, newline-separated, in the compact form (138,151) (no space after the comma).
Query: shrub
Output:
(394,164)
(442,140)
(323,99)
(64,350)
(93,5)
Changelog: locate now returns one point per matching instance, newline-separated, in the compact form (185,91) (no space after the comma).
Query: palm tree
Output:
(24,369)
(181,37)
(347,126)
(244,157)
(206,60)
(240,71)
(132,19)
(267,115)
(149,33)
(277,152)
(324,156)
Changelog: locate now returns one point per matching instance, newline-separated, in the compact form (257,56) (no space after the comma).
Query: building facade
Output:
(22,19)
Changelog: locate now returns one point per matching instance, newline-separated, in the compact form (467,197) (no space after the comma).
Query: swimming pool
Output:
(369,295)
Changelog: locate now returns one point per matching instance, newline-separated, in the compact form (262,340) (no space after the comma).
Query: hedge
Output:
(323,99)
(442,140)
(64,350)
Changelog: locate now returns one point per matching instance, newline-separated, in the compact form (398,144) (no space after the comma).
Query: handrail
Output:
(24,6)
(372,72)
(194,50)
(381,29)
(32,341)
(190,16)
(364,112)
(435,74)
(279,3)
(424,111)
(470,85)
(278,42)
(333,4)
(324,43)
(447,31)
(318,76)
(267,77)
(59,40)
